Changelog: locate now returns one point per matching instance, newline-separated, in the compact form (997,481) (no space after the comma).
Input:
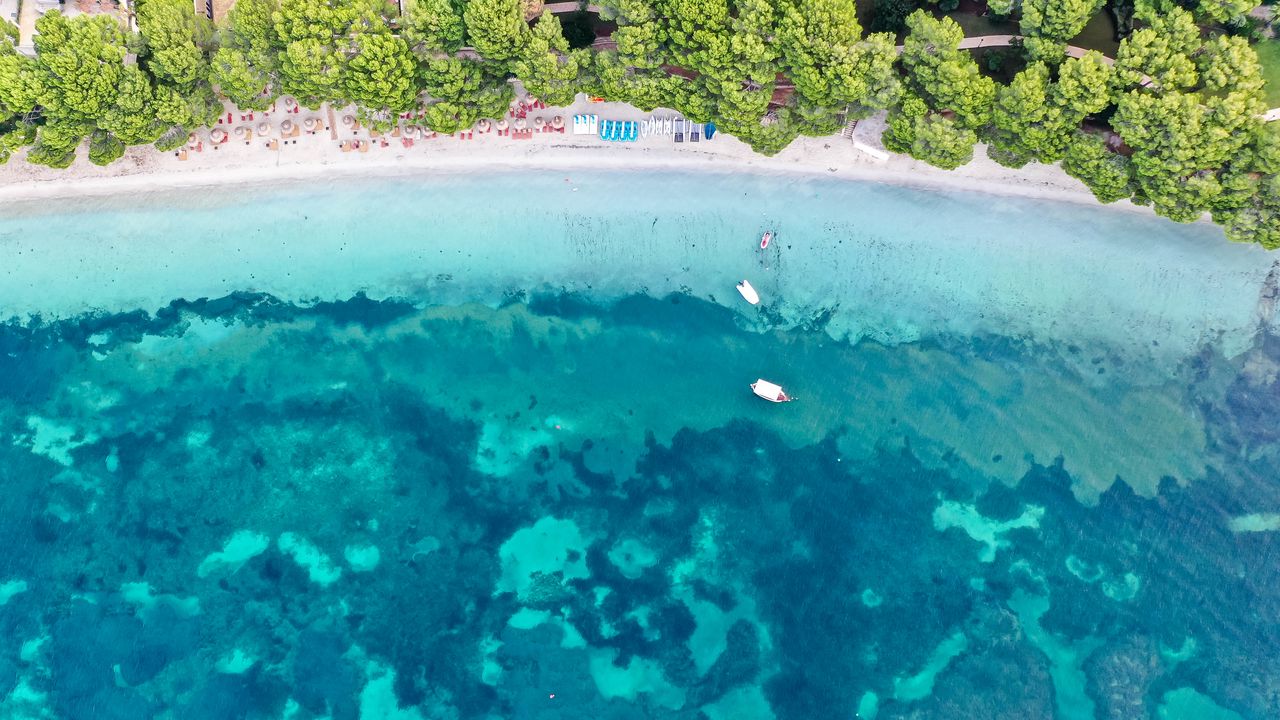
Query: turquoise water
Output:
(483,447)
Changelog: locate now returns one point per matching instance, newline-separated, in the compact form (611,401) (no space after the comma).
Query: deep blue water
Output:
(527,501)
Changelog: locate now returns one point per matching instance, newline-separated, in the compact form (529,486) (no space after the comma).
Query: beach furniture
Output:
(769,391)
(709,130)
(586,124)
(679,136)
(634,127)
(693,134)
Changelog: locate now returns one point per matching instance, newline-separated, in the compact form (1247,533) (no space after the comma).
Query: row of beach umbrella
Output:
(311,124)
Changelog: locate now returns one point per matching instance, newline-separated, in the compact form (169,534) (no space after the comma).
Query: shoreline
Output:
(144,169)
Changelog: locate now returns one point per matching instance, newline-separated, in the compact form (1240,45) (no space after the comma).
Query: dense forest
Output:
(1174,123)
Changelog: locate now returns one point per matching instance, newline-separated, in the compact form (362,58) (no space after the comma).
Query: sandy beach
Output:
(307,156)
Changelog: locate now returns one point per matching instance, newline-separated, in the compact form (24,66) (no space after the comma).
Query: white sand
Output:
(144,168)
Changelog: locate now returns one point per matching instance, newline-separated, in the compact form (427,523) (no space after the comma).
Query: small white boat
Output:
(765,239)
(767,390)
(749,293)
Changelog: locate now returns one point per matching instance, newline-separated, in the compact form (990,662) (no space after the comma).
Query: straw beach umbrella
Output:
(290,102)
(521,124)
(244,131)
(484,126)
(218,135)
(348,121)
(539,123)
(557,122)
(310,124)
(264,128)
(287,127)
(502,126)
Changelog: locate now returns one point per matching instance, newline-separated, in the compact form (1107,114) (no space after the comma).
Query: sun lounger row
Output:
(619,130)
(678,128)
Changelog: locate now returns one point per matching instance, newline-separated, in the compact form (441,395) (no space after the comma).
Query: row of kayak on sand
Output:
(761,387)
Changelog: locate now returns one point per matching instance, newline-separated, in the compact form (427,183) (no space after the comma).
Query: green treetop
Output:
(248,61)
(434,26)
(379,77)
(545,65)
(1035,119)
(176,42)
(79,64)
(944,76)
(496,28)
(1058,20)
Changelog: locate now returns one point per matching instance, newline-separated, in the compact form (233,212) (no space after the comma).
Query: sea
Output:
(484,446)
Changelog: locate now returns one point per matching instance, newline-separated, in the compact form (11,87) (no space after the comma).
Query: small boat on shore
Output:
(748,293)
(766,239)
(769,391)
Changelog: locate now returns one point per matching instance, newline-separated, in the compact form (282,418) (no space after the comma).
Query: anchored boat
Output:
(748,293)
(769,391)
(766,239)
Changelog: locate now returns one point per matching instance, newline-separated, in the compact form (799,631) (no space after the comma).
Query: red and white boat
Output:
(766,239)
(769,391)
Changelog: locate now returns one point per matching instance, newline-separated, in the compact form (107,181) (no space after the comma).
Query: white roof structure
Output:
(586,124)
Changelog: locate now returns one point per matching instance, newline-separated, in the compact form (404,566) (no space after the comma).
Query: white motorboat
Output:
(748,293)
(769,391)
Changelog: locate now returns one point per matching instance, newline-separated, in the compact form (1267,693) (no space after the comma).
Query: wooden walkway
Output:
(568,7)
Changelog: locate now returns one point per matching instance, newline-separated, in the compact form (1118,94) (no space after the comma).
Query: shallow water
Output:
(483,448)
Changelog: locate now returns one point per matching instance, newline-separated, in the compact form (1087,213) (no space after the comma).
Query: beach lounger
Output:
(604,129)
(633,131)
(679,136)
(693,134)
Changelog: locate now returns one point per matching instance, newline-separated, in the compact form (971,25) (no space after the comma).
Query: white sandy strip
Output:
(144,169)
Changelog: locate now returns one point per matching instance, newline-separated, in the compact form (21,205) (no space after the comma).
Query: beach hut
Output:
(218,135)
(264,128)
